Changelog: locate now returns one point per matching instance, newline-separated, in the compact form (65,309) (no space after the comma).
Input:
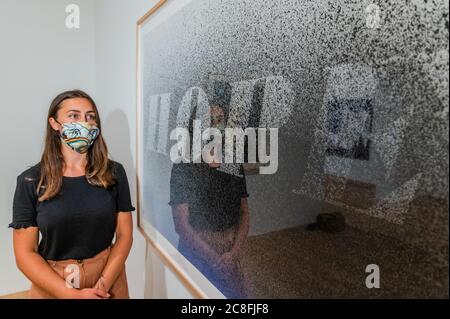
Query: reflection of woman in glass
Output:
(211,216)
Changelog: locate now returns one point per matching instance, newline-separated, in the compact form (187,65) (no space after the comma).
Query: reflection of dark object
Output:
(349,128)
(329,222)
(257,101)
(194,104)
(255,114)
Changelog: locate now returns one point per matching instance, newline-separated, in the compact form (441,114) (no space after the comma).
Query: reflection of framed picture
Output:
(154,100)
(349,127)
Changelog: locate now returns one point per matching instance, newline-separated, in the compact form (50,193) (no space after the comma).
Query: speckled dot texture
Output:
(359,93)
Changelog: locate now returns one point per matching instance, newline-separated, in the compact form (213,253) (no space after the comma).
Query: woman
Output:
(78,200)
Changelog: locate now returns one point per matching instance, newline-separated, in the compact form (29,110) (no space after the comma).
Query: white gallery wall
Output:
(39,58)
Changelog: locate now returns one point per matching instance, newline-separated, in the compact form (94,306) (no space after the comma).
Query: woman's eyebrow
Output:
(77,111)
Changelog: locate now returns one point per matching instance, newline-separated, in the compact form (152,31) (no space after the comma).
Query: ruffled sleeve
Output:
(24,203)
(123,196)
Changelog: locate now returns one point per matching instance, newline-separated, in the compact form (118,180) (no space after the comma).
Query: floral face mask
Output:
(79,135)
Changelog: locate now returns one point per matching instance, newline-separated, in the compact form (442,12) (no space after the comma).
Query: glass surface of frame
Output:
(344,166)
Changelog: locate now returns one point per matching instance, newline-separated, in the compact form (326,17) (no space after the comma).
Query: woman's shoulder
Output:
(32,173)
(115,165)
(117,169)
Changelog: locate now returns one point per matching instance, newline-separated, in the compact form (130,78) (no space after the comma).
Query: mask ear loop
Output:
(57,121)
(59,131)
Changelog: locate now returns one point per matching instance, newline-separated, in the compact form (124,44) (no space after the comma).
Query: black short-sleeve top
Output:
(214,197)
(80,221)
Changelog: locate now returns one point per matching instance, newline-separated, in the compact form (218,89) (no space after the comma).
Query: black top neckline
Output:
(74,177)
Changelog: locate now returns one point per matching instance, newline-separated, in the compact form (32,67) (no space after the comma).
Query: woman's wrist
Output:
(102,283)
(71,293)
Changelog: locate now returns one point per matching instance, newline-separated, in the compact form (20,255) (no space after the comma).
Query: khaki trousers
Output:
(89,271)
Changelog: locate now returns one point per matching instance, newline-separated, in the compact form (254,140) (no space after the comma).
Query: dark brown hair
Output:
(98,168)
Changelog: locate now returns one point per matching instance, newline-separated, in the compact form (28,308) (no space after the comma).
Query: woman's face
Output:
(217,116)
(74,110)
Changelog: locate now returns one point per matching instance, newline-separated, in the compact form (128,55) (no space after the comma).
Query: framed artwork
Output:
(288,68)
